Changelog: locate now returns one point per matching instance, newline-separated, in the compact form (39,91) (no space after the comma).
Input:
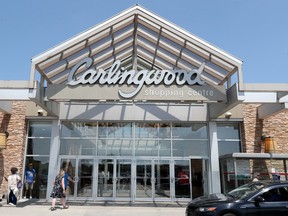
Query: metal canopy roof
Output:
(140,40)
(274,156)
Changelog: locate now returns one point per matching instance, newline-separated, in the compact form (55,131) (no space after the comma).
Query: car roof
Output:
(268,183)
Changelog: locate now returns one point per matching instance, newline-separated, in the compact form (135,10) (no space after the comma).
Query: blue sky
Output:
(255,31)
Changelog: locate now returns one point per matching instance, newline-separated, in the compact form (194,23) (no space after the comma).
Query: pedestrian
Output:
(67,178)
(101,181)
(59,190)
(13,190)
(256,177)
(30,175)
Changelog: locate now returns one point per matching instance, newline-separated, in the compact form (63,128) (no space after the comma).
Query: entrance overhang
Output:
(256,156)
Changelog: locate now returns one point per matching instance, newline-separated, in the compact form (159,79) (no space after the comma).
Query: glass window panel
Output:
(78,129)
(152,130)
(146,147)
(115,147)
(164,148)
(37,146)
(39,129)
(77,147)
(227,175)
(115,130)
(164,130)
(189,131)
(146,130)
(228,131)
(183,148)
(228,147)
(153,147)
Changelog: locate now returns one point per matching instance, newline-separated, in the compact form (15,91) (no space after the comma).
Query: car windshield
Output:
(245,190)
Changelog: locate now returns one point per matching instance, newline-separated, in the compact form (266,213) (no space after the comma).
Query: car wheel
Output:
(229,214)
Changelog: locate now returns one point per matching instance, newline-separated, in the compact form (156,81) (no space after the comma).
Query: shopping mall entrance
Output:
(135,179)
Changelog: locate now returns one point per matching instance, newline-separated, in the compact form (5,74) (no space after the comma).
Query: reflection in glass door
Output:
(161,179)
(85,178)
(105,178)
(182,179)
(69,165)
(153,180)
(123,178)
(143,179)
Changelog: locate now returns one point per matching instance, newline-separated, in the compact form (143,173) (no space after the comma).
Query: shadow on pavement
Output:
(23,203)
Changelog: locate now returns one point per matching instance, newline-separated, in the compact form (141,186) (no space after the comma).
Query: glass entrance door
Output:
(144,179)
(182,181)
(114,178)
(69,165)
(123,178)
(140,180)
(85,178)
(153,180)
(105,179)
(79,181)
(162,179)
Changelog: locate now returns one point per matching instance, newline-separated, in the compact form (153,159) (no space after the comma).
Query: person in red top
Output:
(183,177)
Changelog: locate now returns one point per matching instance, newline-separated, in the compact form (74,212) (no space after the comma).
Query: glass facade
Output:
(37,154)
(134,139)
(130,160)
(229,140)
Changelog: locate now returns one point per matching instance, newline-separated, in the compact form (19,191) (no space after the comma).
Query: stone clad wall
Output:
(13,155)
(275,126)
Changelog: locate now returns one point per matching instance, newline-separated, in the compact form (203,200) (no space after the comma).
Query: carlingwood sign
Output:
(120,84)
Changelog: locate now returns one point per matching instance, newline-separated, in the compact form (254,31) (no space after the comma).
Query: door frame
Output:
(133,196)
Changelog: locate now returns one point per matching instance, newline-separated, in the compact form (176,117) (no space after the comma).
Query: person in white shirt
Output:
(13,190)
(256,177)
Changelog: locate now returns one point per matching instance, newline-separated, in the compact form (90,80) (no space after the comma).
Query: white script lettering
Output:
(117,75)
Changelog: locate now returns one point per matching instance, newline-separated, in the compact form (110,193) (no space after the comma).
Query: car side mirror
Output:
(259,199)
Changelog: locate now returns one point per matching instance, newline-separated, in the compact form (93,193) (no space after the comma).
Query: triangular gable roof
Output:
(141,40)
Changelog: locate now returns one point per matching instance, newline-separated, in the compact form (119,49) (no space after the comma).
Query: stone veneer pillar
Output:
(13,155)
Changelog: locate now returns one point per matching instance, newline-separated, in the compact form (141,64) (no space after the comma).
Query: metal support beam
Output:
(6,107)
(51,107)
(233,99)
(266,110)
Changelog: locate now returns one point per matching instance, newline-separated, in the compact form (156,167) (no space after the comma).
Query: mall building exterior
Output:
(138,109)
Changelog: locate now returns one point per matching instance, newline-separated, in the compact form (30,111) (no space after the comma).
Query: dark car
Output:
(256,198)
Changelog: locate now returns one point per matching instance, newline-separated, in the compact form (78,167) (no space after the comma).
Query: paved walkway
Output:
(36,207)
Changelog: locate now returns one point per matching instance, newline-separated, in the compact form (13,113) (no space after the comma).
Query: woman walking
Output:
(59,191)
(13,190)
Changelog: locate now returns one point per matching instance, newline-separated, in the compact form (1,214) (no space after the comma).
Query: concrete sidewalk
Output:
(36,207)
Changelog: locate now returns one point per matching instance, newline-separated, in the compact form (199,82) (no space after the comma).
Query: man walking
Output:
(30,175)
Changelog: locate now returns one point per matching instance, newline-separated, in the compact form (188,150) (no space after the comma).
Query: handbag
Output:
(19,184)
